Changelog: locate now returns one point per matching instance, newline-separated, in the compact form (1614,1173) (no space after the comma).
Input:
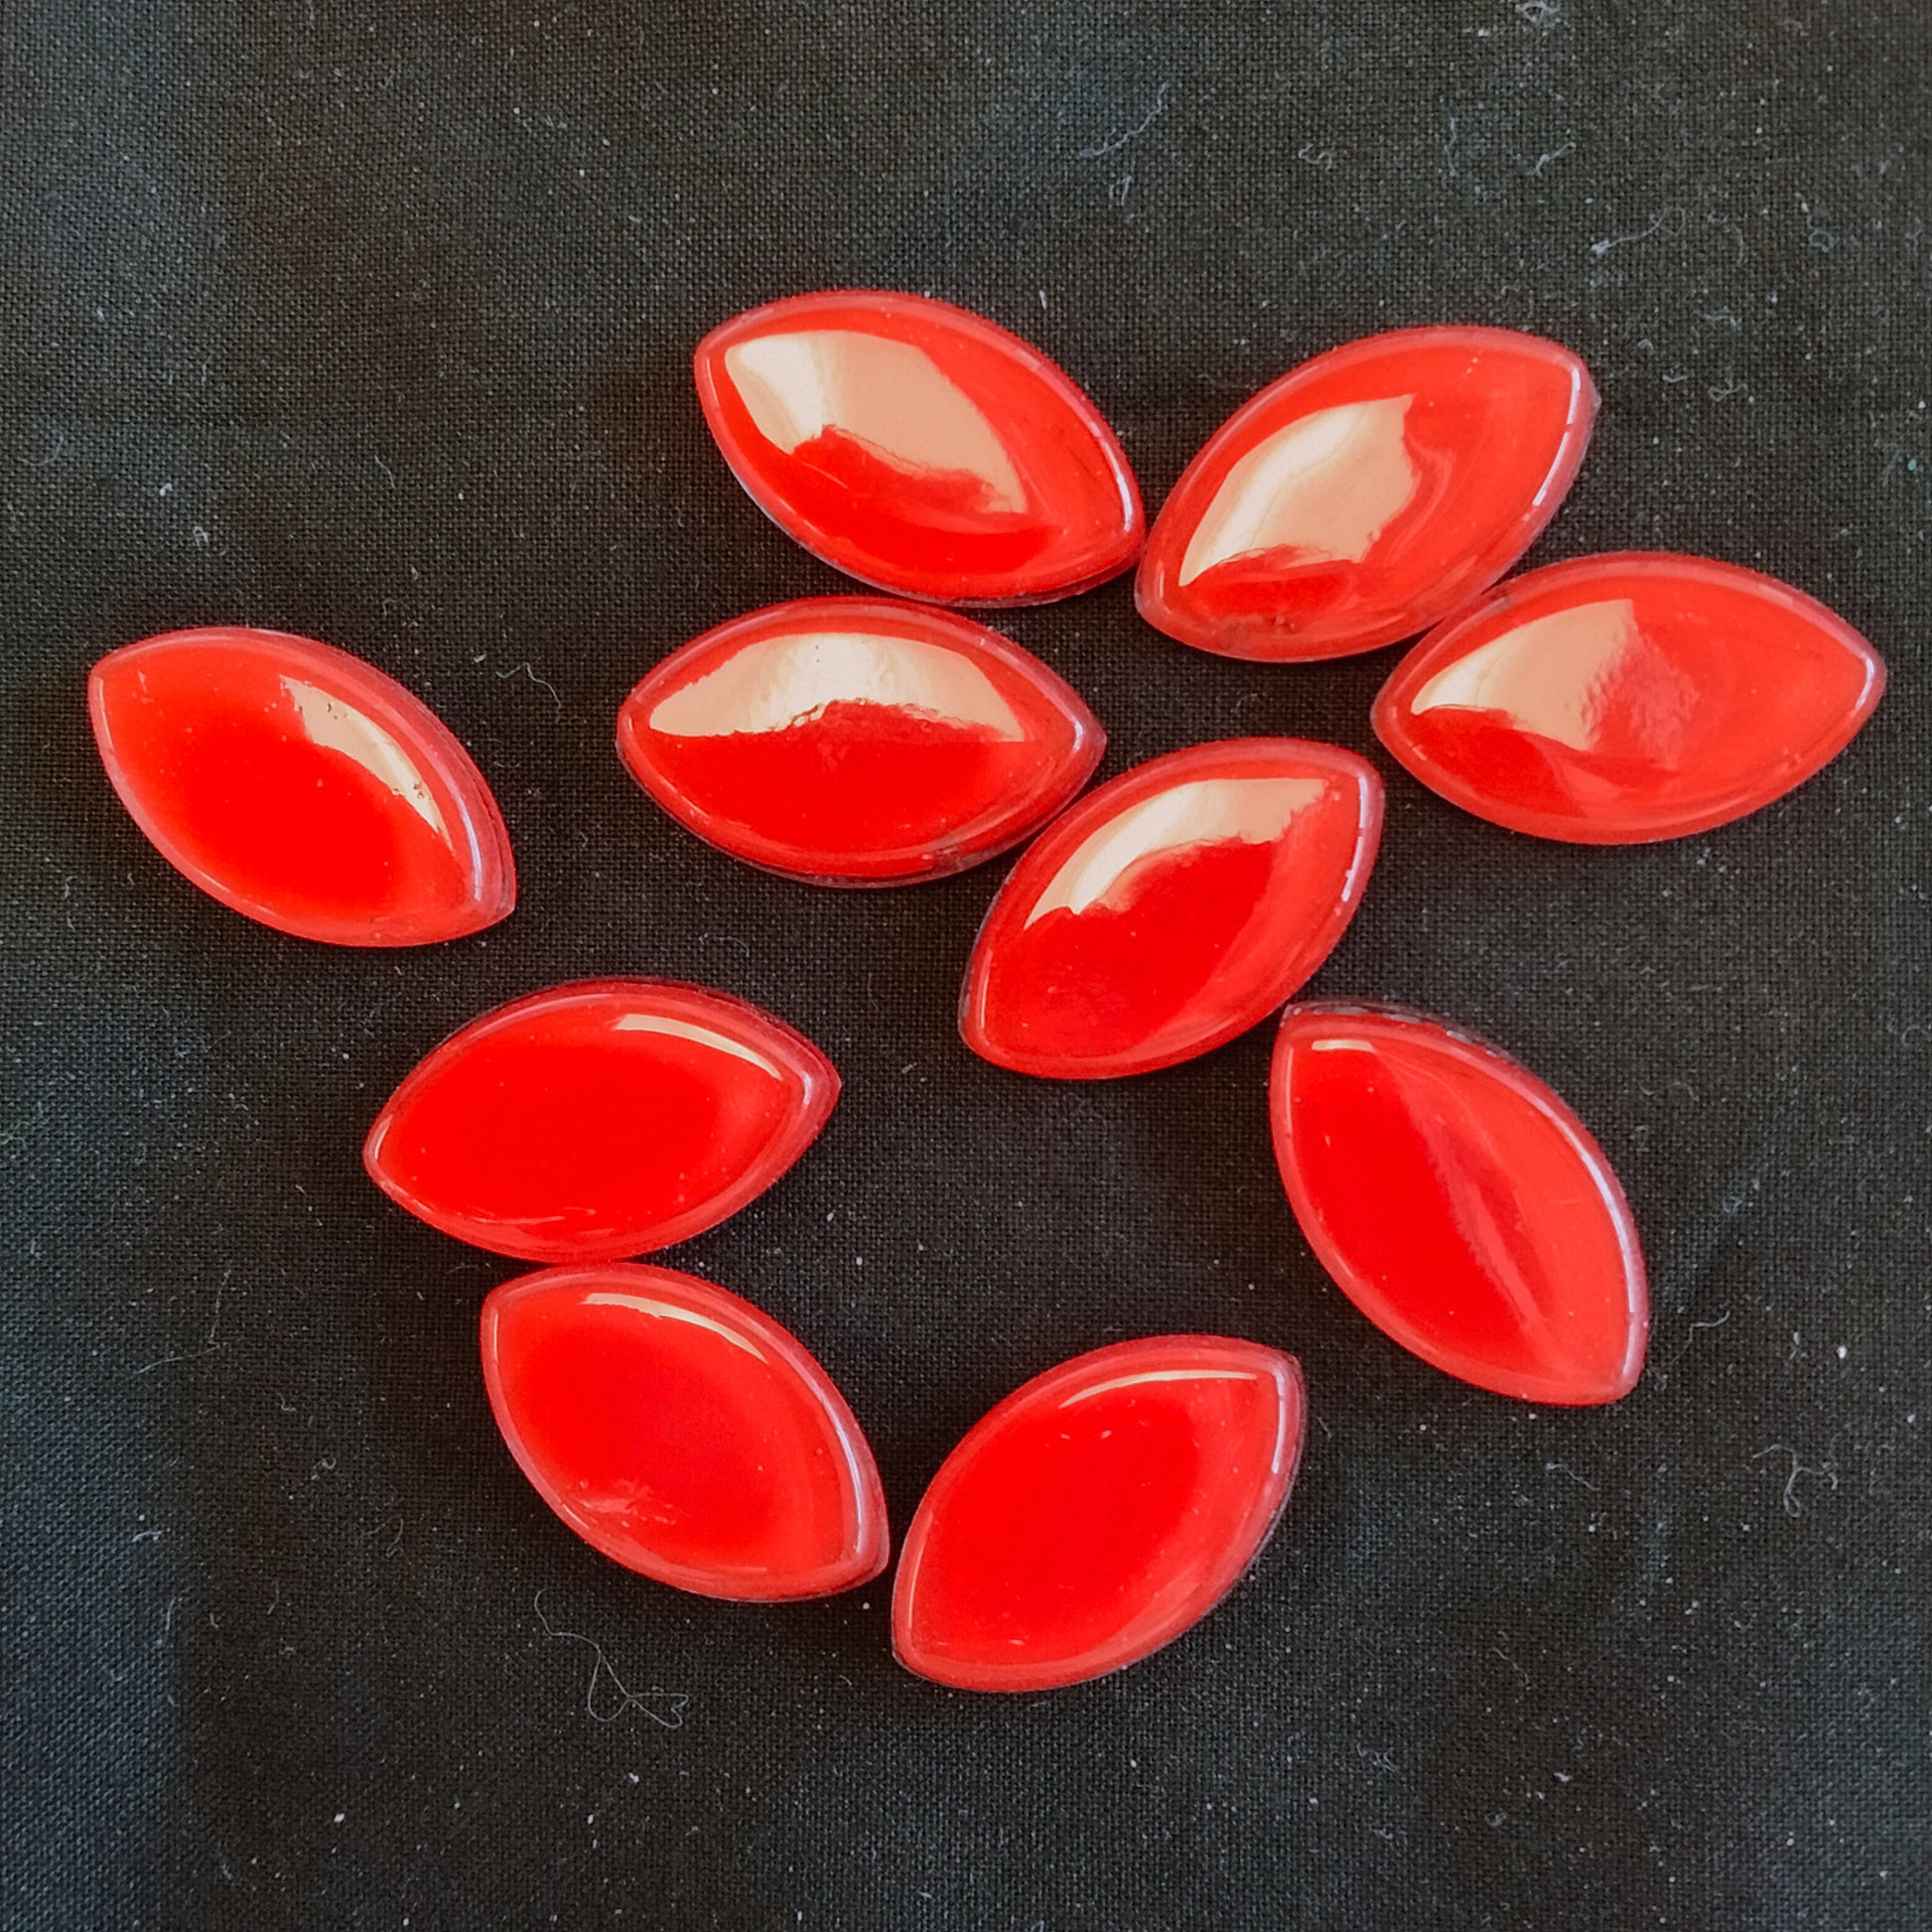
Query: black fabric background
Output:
(373,323)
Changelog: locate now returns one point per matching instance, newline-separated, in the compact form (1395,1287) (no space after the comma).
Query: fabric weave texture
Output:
(373,324)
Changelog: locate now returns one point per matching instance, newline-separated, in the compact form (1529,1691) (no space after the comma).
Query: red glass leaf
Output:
(683,1433)
(1098,1512)
(854,741)
(602,1119)
(1367,493)
(302,788)
(1458,1203)
(1626,698)
(1173,909)
(919,448)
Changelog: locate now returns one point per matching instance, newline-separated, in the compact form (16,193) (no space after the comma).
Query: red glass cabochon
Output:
(858,741)
(599,1119)
(1098,1512)
(1173,909)
(1367,493)
(1624,698)
(682,1432)
(1458,1203)
(301,788)
(919,448)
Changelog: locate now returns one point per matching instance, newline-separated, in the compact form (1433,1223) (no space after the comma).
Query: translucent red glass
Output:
(1367,493)
(919,448)
(1458,1203)
(858,741)
(1625,698)
(683,1433)
(1175,906)
(1098,1512)
(601,1119)
(302,788)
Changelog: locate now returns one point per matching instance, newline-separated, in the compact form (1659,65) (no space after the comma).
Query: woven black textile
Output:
(373,323)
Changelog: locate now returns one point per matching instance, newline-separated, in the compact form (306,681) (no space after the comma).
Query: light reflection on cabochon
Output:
(657,1023)
(1152,1375)
(670,1312)
(778,682)
(1208,811)
(889,395)
(1563,676)
(337,727)
(1324,485)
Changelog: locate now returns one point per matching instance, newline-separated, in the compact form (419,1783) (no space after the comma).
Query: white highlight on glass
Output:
(778,682)
(336,726)
(1207,811)
(657,1023)
(1549,676)
(1326,485)
(1159,1375)
(888,395)
(671,1311)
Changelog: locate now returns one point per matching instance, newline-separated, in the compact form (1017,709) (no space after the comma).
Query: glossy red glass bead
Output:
(301,786)
(1458,1203)
(1626,698)
(683,1433)
(1175,906)
(1098,1512)
(858,741)
(601,1119)
(919,448)
(1367,493)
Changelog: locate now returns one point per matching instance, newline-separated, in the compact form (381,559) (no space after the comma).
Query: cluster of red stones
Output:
(1375,493)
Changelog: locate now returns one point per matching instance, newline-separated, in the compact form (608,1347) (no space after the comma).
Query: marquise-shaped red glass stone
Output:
(1173,909)
(919,448)
(1458,1203)
(682,1432)
(301,786)
(858,741)
(601,1119)
(1098,1512)
(1368,494)
(1625,698)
